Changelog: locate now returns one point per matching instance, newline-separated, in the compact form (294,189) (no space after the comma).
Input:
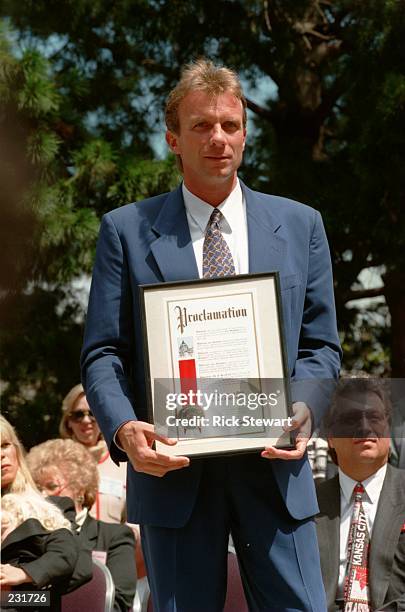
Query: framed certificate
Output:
(215,364)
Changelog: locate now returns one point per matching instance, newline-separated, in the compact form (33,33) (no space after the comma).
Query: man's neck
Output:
(212,194)
(361,472)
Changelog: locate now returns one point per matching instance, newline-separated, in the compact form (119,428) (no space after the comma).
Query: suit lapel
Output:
(384,539)
(266,249)
(173,249)
(29,528)
(89,532)
(328,527)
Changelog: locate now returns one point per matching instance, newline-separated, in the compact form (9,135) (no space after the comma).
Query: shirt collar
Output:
(200,211)
(372,485)
(81,517)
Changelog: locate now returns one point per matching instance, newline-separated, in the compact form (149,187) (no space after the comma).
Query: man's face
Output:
(361,416)
(211,139)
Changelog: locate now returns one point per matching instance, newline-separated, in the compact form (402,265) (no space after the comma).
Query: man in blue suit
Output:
(188,508)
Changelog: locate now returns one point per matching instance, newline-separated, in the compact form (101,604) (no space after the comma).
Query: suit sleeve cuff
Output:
(115,436)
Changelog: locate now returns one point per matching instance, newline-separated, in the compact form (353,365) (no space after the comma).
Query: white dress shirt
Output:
(233,226)
(372,486)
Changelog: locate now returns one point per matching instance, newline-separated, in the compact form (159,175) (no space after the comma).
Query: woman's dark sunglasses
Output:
(79,415)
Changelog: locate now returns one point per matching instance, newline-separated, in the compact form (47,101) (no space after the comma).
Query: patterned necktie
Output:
(217,257)
(356,587)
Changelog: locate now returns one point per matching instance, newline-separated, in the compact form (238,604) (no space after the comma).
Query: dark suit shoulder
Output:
(284,205)
(67,506)
(326,486)
(397,474)
(114,530)
(63,503)
(328,494)
(29,528)
(106,532)
(395,480)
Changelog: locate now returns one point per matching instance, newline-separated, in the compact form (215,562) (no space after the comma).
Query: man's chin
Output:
(225,168)
(366,455)
(220,177)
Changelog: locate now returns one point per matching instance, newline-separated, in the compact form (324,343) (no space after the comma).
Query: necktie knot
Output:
(215,219)
(217,257)
(359,490)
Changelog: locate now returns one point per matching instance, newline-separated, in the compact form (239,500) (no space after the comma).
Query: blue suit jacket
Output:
(149,242)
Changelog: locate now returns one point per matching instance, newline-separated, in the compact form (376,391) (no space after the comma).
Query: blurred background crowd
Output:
(63,503)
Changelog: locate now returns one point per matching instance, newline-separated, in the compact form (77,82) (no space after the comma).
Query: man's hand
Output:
(12,576)
(136,438)
(302,421)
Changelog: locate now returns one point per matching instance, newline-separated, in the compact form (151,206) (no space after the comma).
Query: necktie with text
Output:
(356,585)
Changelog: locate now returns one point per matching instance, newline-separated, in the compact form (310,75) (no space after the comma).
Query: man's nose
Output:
(364,428)
(217,136)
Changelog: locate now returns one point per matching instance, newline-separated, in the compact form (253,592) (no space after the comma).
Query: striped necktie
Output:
(217,257)
(356,585)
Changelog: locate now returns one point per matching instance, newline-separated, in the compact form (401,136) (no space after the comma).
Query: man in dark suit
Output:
(397,456)
(187,508)
(361,407)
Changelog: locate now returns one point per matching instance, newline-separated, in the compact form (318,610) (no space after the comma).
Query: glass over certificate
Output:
(216,364)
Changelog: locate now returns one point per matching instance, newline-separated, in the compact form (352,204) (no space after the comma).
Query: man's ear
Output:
(244,136)
(172,141)
(332,452)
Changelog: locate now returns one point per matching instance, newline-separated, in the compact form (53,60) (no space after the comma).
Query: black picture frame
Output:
(261,293)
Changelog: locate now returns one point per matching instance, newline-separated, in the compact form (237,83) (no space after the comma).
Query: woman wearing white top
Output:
(79,424)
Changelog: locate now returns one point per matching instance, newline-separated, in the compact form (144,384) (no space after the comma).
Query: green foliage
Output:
(366,342)
(37,95)
(42,147)
(61,173)
(40,364)
(139,179)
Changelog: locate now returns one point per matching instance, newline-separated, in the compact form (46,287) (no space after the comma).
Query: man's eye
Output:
(345,420)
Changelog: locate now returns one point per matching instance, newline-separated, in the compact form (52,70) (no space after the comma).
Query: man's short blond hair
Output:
(202,75)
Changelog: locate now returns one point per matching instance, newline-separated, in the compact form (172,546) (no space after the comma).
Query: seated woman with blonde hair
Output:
(79,424)
(37,546)
(64,467)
